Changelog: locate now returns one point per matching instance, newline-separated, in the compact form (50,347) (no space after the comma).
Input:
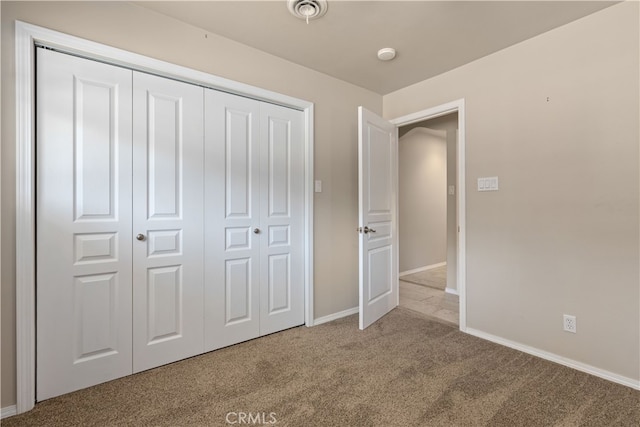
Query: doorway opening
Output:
(456,255)
(427,221)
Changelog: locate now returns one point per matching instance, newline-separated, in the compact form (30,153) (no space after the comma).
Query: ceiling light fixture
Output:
(386,54)
(307,9)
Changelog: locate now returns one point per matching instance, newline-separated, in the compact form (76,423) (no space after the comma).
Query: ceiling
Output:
(431,37)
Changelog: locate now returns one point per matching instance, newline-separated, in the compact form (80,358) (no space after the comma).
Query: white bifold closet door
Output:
(84,217)
(254,206)
(119,155)
(167,221)
(151,248)
(281,218)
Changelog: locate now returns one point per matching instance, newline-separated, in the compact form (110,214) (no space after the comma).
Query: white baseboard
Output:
(335,316)
(579,366)
(451,291)
(9,411)
(425,268)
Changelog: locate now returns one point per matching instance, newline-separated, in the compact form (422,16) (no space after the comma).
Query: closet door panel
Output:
(231,219)
(83,219)
(282,213)
(168,221)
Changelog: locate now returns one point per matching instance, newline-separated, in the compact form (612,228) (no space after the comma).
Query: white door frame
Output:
(432,113)
(27,36)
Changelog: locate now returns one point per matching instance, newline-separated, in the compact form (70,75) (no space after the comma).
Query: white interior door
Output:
(167,221)
(232,214)
(282,218)
(83,221)
(377,191)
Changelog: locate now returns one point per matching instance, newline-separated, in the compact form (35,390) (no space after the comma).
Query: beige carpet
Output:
(404,370)
(434,278)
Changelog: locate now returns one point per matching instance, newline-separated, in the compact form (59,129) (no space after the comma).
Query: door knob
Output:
(256,230)
(140,237)
(365,230)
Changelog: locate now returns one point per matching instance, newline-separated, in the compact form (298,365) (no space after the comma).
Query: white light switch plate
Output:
(488,183)
(318,186)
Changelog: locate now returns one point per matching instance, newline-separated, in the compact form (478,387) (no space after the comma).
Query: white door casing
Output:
(232,212)
(26,37)
(377,216)
(84,223)
(168,218)
(281,218)
(432,113)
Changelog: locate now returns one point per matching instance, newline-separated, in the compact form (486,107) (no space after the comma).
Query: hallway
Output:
(425,294)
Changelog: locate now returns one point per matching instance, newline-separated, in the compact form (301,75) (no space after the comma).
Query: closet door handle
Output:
(140,237)
(256,230)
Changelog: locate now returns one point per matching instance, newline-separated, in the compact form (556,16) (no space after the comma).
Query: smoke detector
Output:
(386,54)
(307,9)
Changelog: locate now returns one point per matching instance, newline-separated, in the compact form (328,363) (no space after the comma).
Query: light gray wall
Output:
(422,198)
(130,27)
(557,119)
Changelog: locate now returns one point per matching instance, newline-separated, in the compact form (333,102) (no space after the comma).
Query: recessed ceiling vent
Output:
(307,9)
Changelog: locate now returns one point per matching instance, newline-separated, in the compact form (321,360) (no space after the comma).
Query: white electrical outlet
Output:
(569,323)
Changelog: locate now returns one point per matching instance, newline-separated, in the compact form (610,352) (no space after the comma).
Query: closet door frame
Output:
(27,36)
